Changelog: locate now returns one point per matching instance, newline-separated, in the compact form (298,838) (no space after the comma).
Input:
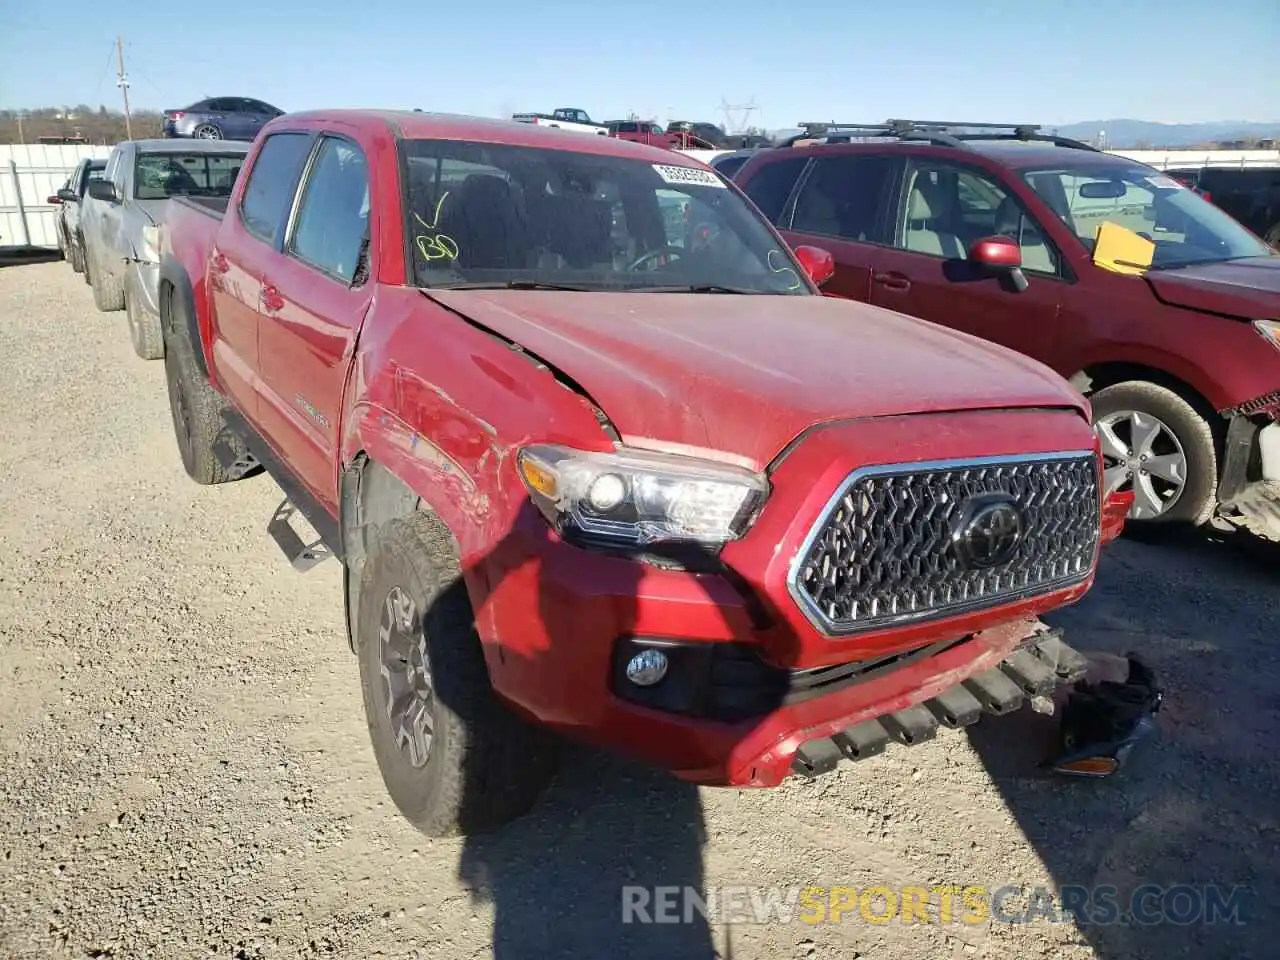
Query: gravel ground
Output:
(186,770)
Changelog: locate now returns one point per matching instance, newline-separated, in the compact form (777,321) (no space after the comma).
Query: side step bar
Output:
(1033,670)
(302,556)
(241,452)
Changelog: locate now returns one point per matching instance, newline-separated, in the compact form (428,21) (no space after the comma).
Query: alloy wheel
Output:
(406,674)
(1141,453)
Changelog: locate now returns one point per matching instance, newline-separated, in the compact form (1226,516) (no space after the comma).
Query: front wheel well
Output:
(371,496)
(1094,378)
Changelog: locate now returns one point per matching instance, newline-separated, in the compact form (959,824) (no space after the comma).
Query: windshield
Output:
(502,215)
(1183,226)
(161,175)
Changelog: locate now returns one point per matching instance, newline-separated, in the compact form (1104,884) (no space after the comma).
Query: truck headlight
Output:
(633,498)
(1269,329)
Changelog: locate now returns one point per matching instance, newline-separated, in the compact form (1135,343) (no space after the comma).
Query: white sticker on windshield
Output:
(1161,182)
(688,175)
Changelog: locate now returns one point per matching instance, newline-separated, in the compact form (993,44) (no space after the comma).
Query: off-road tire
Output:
(195,408)
(75,253)
(486,766)
(108,292)
(144,326)
(1198,500)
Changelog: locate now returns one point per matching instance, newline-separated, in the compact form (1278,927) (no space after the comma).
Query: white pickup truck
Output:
(566,118)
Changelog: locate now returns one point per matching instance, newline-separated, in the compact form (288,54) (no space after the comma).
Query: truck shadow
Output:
(555,877)
(1197,806)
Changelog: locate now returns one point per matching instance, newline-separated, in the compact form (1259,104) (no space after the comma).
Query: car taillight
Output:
(176,115)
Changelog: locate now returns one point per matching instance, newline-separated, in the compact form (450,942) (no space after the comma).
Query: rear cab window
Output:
(159,175)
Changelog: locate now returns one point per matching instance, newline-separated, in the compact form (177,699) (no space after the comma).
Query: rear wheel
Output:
(1156,444)
(108,292)
(196,409)
(207,131)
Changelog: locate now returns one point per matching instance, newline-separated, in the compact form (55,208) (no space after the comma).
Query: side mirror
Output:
(1000,255)
(817,263)
(55,199)
(67,195)
(102,190)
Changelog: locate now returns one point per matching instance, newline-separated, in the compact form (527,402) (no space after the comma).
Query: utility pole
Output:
(21,138)
(123,83)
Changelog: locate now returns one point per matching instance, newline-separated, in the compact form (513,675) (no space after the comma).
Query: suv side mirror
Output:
(67,195)
(1000,255)
(817,262)
(102,190)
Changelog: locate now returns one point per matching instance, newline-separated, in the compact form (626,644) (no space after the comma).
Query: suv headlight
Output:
(633,498)
(1269,329)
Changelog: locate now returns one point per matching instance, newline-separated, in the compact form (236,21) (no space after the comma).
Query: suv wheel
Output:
(455,759)
(1155,443)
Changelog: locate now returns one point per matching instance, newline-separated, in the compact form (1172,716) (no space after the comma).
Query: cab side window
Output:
(846,196)
(333,216)
(771,186)
(273,180)
(949,206)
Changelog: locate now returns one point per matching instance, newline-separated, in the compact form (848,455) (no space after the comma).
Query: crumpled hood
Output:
(744,375)
(1248,289)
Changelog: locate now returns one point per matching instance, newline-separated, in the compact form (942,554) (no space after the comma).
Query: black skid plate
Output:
(1035,669)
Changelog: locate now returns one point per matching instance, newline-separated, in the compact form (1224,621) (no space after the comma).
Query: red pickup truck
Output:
(596,471)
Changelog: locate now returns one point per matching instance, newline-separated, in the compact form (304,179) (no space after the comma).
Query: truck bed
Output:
(212,206)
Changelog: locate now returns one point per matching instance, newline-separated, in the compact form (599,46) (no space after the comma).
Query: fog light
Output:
(647,668)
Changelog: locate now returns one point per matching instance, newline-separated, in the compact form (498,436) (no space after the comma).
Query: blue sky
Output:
(1042,61)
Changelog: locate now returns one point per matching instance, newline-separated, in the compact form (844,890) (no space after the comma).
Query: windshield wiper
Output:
(698,288)
(508,285)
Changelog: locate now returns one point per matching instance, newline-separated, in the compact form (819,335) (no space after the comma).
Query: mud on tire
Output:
(196,408)
(483,765)
(108,292)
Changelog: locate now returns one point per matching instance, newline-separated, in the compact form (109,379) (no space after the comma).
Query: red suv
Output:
(994,231)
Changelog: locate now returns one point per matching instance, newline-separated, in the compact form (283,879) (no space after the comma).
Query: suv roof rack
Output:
(945,133)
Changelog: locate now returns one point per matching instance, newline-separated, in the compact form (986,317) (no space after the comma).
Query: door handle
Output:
(892,281)
(271,299)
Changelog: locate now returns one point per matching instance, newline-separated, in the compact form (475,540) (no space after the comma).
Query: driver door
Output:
(944,207)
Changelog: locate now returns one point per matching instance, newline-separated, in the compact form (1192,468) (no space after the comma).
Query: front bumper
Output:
(752,679)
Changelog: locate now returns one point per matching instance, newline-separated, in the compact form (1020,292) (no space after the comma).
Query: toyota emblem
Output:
(988,531)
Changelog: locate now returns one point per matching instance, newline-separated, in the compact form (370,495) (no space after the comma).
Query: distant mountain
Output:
(1131,134)
(1147,133)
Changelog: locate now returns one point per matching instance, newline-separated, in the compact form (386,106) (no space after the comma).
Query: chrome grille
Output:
(889,547)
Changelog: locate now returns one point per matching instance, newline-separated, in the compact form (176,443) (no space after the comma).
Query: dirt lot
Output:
(186,770)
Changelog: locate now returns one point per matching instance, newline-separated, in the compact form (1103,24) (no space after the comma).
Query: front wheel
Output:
(455,759)
(1156,444)
(144,326)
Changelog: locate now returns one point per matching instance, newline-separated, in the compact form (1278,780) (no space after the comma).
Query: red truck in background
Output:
(595,471)
(649,132)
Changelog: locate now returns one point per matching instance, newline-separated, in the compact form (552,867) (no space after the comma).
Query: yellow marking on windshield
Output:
(435,246)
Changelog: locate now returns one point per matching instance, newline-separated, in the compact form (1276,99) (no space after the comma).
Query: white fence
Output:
(29,175)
